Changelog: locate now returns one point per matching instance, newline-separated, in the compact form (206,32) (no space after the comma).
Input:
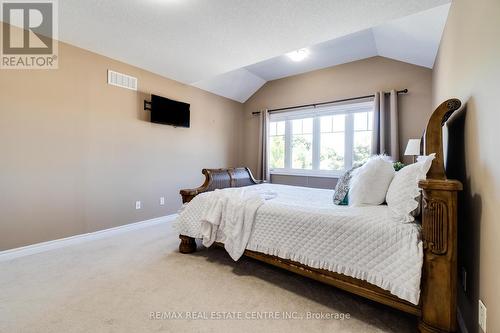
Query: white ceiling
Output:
(359,45)
(414,39)
(237,85)
(195,41)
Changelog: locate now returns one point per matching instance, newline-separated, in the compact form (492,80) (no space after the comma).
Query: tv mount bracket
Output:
(147,105)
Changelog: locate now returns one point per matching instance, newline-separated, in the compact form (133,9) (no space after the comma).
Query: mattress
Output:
(302,224)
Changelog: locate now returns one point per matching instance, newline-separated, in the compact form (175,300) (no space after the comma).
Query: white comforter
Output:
(302,224)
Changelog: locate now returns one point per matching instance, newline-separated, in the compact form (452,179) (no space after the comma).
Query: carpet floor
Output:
(138,282)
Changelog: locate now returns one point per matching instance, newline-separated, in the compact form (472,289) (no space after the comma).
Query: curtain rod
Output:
(404,91)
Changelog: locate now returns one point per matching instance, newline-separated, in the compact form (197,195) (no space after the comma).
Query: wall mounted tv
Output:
(169,112)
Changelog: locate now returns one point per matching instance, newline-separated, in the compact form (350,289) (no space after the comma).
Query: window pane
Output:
(301,150)
(277,158)
(332,151)
(272,128)
(303,126)
(280,128)
(370,121)
(326,124)
(362,147)
(361,121)
(277,144)
(302,143)
(339,123)
(332,142)
(297,126)
(307,126)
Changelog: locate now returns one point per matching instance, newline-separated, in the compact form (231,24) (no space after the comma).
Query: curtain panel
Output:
(385,135)
(263,158)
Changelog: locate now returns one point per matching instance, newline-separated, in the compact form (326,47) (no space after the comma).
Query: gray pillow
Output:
(342,188)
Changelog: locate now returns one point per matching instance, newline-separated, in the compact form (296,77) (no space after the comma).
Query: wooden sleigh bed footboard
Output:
(437,307)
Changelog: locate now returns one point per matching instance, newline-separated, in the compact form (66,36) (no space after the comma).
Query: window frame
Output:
(348,109)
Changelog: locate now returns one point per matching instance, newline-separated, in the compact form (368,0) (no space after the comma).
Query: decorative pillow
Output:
(345,201)
(404,193)
(369,183)
(342,188)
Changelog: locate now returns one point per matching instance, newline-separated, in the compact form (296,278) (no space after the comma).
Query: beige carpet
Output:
(113,285)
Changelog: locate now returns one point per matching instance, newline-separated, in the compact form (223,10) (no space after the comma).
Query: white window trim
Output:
(308,173)
(349,110)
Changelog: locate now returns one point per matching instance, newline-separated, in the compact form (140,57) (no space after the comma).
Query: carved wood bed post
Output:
(187,245)
(439,232)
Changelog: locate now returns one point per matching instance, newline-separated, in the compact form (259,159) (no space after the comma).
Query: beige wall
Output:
(468,67)
(357,78)
(77,153)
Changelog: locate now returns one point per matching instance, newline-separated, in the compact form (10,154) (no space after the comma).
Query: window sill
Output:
(336,174)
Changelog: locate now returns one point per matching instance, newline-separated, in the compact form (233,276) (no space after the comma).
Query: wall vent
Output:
(122,80)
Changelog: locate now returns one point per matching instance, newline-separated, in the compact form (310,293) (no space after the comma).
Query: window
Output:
(322,141)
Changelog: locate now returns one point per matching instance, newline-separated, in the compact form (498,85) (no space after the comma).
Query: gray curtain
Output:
(263,146)
(385,137)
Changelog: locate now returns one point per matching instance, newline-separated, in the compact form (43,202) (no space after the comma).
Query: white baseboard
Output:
(461,322)
(63,242)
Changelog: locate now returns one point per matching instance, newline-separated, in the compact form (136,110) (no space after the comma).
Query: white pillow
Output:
(404,192)
(370,182)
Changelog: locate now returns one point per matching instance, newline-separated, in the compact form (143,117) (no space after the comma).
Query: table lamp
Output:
(413,148)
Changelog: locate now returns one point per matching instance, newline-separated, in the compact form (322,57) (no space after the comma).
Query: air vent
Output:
(122,80)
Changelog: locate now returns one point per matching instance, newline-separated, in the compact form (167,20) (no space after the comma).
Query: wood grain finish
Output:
(437,308)
(434,136)
(187,245)
(218,179)
(439,232)
(439,272)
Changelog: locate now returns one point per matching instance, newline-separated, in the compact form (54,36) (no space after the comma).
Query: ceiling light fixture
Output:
(298,55)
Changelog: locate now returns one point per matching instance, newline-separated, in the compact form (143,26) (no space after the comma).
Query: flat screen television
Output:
(169,112)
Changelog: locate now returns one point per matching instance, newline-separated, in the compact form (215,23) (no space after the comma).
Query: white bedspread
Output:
(303,224)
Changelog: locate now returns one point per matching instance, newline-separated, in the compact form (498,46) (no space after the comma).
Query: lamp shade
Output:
(413,147)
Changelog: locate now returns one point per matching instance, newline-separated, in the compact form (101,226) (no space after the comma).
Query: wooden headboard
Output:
(220,178)
(433,140)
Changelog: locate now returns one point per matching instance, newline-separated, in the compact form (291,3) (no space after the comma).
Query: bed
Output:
(410,267)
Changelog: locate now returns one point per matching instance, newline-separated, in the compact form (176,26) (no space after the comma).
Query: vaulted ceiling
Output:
(232,47)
